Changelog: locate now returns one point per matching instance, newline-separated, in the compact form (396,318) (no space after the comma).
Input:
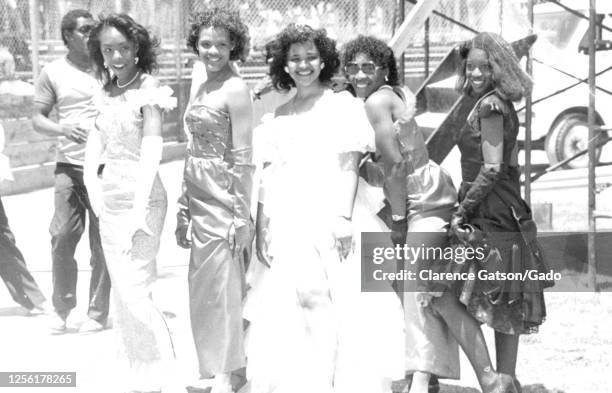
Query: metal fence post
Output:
(528,113)
(402,59)
(592,158)
(34,36)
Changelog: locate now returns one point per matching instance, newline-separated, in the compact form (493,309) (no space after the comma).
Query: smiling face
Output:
(478,71)
(364,75)
(304,63)
(77,38)
(119,53)
(214,47)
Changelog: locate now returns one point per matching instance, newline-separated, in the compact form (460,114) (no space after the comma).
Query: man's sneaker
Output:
(91,326)
(57,323)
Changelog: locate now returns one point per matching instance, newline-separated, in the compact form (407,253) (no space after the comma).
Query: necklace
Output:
(128,83)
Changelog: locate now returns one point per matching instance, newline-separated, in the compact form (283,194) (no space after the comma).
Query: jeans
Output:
(13,270)
(67,226)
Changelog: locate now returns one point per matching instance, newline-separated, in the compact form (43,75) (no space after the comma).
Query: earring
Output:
(106,66)
(322,65)
(136,60)
(286,69)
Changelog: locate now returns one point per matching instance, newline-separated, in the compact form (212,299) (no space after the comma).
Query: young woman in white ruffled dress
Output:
(311,328)
(129,198)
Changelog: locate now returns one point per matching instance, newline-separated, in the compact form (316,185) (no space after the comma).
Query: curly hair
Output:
(293,34)
(380,53)
(69,22)
(509,79)
(221,18)
(134,32)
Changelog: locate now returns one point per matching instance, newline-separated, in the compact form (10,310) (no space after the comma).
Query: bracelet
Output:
(397,217)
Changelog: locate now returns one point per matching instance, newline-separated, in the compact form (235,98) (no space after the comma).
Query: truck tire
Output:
(569,136)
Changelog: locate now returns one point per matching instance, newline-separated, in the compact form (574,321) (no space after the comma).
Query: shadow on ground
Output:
(13,312)
(534,388)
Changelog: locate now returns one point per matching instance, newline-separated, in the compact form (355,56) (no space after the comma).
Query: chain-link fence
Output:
(453,21)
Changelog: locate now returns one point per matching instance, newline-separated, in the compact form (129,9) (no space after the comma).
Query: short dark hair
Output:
(69,22)
(134,32)
(221,18)
(293,34)
(380,53)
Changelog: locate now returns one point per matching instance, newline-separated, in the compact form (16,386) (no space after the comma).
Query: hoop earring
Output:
(136,60)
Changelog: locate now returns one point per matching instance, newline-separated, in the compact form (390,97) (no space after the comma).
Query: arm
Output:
(492,145)
(44,101)
(183,217)
(241,113)
(150,157)
(93,152)
(379,109)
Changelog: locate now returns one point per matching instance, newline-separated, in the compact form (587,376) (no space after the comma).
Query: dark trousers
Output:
(13,270)
(67,226)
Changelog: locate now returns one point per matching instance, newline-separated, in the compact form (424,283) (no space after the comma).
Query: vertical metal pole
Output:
(402,59)
(34,36)
(178,65)
(501,17)
(591,188)
(528,113)
(426,47)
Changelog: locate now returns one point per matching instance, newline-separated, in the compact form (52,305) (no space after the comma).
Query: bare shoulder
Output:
(381,100)
(236,86)
(148,81)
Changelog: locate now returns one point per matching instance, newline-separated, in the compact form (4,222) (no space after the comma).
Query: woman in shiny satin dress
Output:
(216,198)
(421,196)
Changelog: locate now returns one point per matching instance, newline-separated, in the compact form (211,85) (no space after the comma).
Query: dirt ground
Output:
(572,353)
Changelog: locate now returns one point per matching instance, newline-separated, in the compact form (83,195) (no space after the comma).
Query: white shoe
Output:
(91,326)
(57,323)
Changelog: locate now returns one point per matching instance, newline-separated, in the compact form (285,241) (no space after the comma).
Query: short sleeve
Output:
(44,92)
(352,129)
(162,96)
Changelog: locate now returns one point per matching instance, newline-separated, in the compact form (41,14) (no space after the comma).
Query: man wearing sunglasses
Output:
(69,84)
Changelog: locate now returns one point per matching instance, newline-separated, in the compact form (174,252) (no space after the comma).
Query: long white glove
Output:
(151,149)
(93,151)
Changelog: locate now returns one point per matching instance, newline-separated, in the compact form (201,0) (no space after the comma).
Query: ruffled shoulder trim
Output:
(161,96)
(492,104)
(352,130)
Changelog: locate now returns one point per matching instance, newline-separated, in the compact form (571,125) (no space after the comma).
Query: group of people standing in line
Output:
(293,313)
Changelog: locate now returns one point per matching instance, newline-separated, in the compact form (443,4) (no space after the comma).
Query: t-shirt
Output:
(71,91)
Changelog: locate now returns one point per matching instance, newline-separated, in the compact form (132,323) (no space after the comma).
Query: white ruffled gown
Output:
(359,340)
(144,339)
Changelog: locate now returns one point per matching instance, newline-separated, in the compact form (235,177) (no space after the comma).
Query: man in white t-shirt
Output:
(68,84)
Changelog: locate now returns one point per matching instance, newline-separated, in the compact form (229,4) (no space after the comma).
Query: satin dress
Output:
(216,279)
(431,199)
(144,336)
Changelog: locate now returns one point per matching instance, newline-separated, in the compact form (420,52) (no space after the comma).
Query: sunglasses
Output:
(368,68)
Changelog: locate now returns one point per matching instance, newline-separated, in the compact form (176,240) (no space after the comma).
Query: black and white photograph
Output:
(305,196)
